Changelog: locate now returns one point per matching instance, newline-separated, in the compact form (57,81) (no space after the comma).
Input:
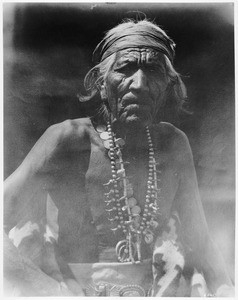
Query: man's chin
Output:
(135,120)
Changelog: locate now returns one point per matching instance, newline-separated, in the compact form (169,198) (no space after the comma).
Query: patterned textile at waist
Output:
(114,279)
(105,289)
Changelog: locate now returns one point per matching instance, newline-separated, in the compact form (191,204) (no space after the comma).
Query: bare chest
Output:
(136,168)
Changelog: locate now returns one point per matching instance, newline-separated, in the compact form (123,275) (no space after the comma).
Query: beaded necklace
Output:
(123,211)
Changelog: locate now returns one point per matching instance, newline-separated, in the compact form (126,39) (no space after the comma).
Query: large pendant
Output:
(123,251)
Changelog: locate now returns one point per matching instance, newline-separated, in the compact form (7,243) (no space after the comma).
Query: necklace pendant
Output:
(154,224)
(120,142)
(138,246)
(132,202)
(123,251)
(135,210)
(129,192)
(106,144)
(101,128)
(136,222)
(110,194)
(104,135)
(121,172)
(149,237)
(111,181)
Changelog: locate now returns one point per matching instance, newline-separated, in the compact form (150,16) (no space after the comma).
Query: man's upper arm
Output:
(187,200)
(52,153)
(202,253)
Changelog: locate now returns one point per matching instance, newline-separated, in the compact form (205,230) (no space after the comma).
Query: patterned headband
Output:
(134,35)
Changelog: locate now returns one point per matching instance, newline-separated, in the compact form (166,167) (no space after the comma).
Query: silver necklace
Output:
(122,208)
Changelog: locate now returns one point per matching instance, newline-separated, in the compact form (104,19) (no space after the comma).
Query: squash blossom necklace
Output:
(122,208)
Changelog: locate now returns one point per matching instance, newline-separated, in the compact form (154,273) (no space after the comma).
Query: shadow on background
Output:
(47,52)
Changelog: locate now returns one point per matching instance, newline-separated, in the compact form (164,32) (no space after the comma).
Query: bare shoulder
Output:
(169,131)
(67,127)
(72,132)
(171,139)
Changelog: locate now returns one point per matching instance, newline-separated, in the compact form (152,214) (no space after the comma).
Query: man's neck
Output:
(134,134)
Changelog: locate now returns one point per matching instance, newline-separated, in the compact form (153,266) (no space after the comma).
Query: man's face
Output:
(136,85)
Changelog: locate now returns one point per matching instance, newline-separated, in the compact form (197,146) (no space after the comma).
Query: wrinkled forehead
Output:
(140,56)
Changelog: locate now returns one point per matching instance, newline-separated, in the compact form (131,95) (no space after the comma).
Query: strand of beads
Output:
(117,208)
(128,213)
(148,223)
(122,172)
(125,247)
(112,194)
(151,207)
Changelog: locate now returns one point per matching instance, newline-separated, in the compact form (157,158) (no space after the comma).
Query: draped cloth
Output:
(114,279)
(131,280)
(162,275)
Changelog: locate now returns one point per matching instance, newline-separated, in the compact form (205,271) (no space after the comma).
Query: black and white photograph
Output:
(119,149)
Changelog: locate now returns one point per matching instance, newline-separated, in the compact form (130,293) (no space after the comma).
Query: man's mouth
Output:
(132,108)
(135,106)
(130,104)
(135,101)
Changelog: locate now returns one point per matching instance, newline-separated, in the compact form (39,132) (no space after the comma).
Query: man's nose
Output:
(139,81)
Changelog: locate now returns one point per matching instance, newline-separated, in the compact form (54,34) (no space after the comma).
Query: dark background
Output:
(47,52)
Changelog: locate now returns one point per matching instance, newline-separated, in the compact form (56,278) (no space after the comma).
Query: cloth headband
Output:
(134,37)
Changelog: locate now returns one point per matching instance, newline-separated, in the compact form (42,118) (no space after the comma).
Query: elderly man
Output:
(109,205)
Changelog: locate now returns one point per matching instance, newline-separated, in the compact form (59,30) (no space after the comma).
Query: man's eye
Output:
(153,70)
(125,69)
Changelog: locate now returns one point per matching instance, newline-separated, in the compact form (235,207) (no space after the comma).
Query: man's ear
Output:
(103,92)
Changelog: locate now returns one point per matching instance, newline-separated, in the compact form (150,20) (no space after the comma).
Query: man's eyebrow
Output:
(131,60)
(123,61)
(157,64)
(126,58)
